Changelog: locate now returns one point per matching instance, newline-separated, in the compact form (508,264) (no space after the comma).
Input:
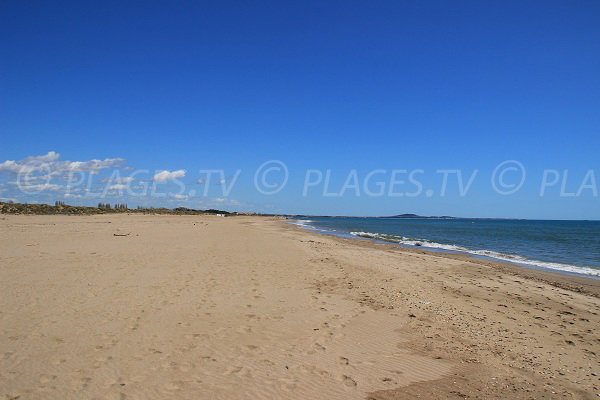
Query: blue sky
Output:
(337,86)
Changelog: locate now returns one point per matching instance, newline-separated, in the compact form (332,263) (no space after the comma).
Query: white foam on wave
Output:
(306,223)
(485,253)
(302,222)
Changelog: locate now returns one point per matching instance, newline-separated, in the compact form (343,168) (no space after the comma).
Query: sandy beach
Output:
(205,307)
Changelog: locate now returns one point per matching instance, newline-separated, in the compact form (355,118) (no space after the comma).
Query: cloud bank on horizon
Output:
(46,178)
(39,167)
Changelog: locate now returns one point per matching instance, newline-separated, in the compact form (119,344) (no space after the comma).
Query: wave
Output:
(306,223)
(485,253)
(302,222)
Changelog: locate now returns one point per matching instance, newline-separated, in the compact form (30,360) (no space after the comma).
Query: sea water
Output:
(567,246)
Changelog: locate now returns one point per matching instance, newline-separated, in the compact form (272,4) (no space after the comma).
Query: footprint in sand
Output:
(237,370)
(348,381)
(319,346)
(84,382)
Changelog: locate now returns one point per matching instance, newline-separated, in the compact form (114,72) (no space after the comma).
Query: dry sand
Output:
(194,307)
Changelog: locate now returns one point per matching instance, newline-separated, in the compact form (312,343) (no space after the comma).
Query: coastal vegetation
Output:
(60,207)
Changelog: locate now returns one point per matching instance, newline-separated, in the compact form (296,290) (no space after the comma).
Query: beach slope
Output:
(192,307)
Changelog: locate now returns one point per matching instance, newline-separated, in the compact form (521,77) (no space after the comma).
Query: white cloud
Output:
(93,165)
(117,179)
(165,176)
(29,164)
(118,186)
(50,165)
(49,157)
(180,196)
(10,166)
(46,172)
(39,187)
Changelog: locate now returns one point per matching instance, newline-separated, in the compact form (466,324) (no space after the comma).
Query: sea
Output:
(571,247)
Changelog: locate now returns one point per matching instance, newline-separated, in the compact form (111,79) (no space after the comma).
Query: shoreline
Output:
(579,283)
(164,306)
(453,253)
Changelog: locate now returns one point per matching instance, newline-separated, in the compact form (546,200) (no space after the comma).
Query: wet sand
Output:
(191,307)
